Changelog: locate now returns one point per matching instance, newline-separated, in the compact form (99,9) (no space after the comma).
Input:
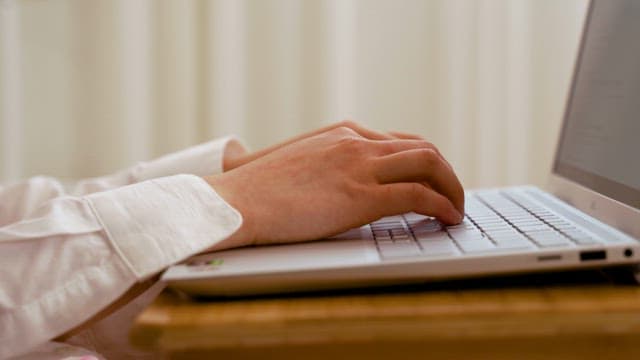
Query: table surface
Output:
(582,315)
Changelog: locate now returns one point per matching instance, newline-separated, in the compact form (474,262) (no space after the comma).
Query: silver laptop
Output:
(588,217)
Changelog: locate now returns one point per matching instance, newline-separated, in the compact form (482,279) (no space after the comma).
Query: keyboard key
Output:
(381,234)
(433,236)
(438,248)
(395,250)
(462,235)
(386,227)
(505,237)
(525,222)
(534,228)
(565,226)
(493,222)
(549,217)
(398,232)
(409,217)
(476,246)
(426,226)
(555,240)
(469,226)
(521,243)
(502,231)
(487,218)
(496,227)
(384,240)
(402,237)
(541,235)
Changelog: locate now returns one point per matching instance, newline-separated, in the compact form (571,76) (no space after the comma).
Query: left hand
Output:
(235,155)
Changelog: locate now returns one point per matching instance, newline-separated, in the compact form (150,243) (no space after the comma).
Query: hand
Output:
(236,155)
(334,181)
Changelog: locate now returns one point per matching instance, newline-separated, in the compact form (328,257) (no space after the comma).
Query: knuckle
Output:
(429,157)
(434,147)
(427,145)
(348,123)
(350,153)
(344,131)
(354,190)
(416,192)
(352,143)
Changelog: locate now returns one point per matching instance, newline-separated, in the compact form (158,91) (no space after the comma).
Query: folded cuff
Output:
(156,223)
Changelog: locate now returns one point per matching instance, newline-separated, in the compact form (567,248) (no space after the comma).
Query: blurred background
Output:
(89,87)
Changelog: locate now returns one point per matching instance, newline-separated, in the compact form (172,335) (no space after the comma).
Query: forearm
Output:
(132,293)
(76,259)
(208,158)
(21,199)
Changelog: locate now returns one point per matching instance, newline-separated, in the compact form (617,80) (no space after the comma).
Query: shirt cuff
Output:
(201,160)
(157,223)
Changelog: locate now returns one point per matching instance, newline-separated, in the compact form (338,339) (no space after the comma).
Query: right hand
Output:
(336,180)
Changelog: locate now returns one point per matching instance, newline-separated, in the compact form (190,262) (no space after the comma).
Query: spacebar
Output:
(393,250)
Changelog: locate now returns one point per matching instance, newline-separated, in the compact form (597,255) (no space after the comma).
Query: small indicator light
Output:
(215,262)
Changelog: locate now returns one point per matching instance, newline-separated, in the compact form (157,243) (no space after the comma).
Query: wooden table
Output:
(583,315)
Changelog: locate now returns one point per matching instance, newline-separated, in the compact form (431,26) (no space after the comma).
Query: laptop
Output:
(589,216)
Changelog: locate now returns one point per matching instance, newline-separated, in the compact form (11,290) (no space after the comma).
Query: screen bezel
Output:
(607,187)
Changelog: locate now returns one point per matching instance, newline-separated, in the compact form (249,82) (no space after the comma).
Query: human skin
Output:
(323,183)
(335,179)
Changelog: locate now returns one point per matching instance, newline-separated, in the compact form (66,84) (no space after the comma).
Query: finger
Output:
(343,124)
(394,146)
(420,165)
(349,125)
(388,147)
(363,131)
(406,136)
(372,134)
(401,198)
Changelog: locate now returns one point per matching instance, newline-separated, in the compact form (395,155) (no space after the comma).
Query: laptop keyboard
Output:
(494,221)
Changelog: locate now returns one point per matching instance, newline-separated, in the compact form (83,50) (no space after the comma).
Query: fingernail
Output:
(457,216)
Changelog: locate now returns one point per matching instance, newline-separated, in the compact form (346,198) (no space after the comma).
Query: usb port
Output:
(593,255)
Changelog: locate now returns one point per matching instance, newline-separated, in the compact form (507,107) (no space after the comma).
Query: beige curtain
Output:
(87,87)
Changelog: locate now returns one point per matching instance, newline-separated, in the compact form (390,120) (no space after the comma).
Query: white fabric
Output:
(65,256)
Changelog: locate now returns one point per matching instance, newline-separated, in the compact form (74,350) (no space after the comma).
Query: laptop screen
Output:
(600,143)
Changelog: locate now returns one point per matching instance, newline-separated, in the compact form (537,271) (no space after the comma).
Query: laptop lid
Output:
(596,167)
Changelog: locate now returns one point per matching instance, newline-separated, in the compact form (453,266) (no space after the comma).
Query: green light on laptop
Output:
(215,262)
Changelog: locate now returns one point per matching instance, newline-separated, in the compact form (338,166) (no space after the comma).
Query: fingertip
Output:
(459,217)
(461,210)
(452,218)
(458,200)
(447,213)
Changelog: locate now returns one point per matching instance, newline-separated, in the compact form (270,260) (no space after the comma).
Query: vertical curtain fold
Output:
(225,67)
(89,87)
(134,31)
(10,90)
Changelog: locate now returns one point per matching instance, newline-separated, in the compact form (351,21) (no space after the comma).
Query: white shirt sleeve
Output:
(63,258)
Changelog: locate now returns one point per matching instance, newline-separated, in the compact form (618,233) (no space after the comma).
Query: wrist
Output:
(244,236)
(234,153)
